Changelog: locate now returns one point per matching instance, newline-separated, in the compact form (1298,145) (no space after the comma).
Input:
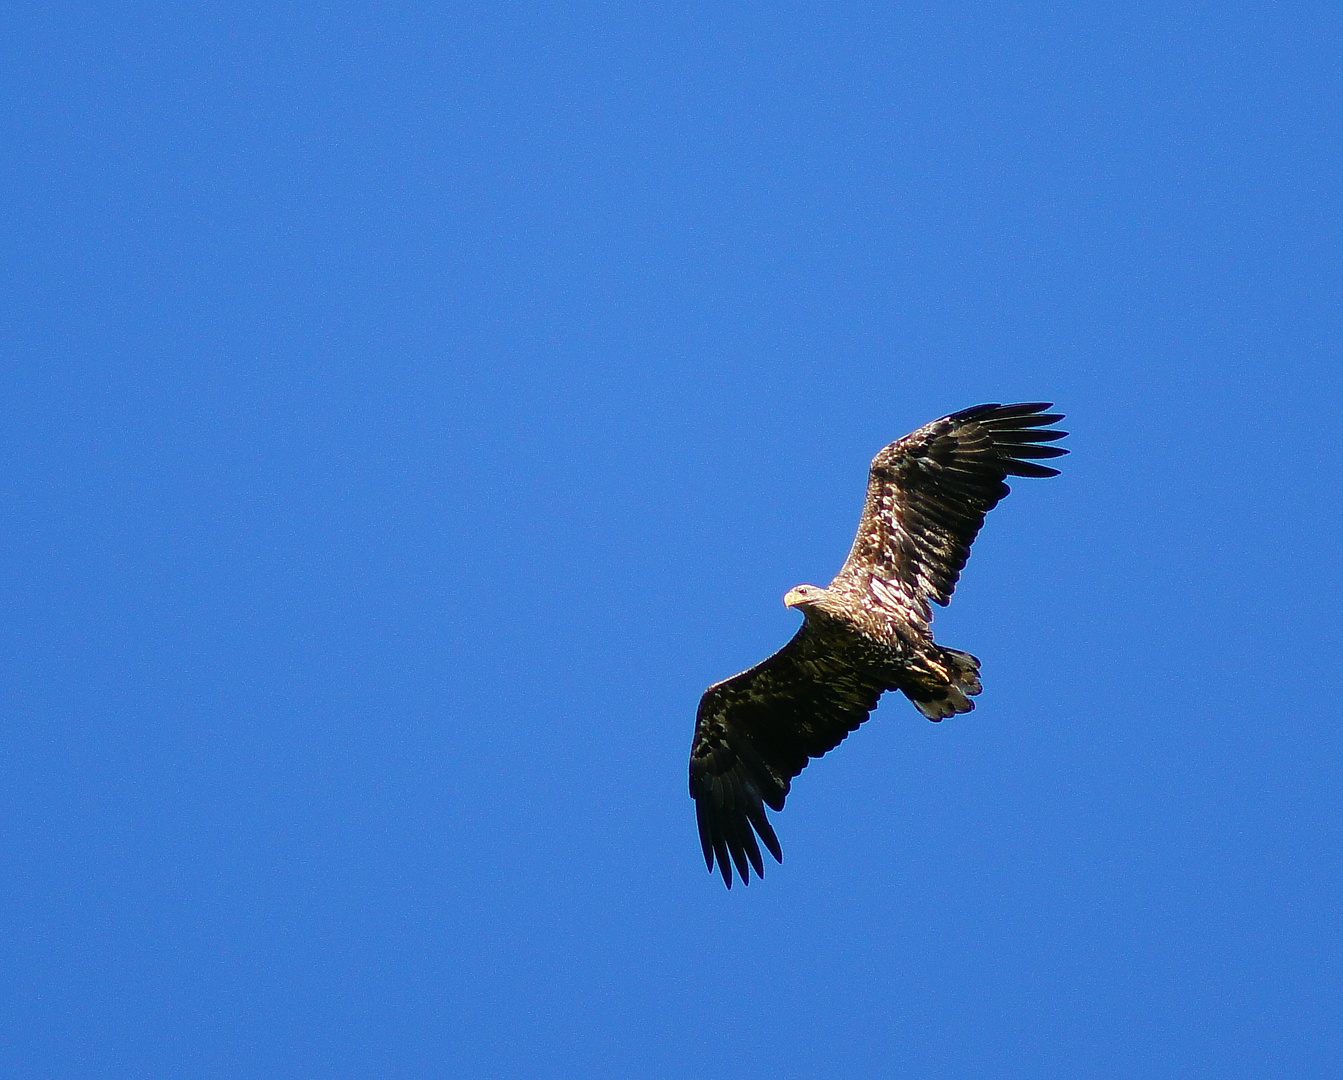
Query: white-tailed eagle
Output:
(868,631)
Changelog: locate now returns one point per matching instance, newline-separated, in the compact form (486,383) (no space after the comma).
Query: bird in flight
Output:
(868,631)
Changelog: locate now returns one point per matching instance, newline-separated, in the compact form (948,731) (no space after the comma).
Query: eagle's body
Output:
(868,632)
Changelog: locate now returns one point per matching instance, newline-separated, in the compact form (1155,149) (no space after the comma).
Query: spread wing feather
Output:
(756,731)
(927,496)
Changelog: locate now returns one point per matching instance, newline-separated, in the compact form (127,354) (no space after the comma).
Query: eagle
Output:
(868,631)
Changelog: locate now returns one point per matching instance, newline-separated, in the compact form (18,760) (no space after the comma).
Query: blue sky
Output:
(408,410)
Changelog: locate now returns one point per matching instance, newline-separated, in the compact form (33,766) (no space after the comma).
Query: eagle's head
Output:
(805,596)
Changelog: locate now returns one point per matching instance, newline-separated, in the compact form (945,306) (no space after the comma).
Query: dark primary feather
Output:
(928,494)
(756,731)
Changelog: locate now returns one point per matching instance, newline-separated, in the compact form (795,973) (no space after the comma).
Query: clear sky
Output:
(407,410)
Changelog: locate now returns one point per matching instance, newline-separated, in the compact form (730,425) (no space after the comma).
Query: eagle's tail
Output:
(950,694)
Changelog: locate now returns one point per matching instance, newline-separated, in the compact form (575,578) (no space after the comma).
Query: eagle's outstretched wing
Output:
(756,731)
(927,495)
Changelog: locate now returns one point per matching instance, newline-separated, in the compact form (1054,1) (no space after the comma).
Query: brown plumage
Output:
(868,632)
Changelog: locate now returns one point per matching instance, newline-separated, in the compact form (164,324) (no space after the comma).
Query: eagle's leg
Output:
(943,683)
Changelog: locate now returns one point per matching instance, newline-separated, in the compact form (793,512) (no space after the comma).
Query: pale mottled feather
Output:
(927,496)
